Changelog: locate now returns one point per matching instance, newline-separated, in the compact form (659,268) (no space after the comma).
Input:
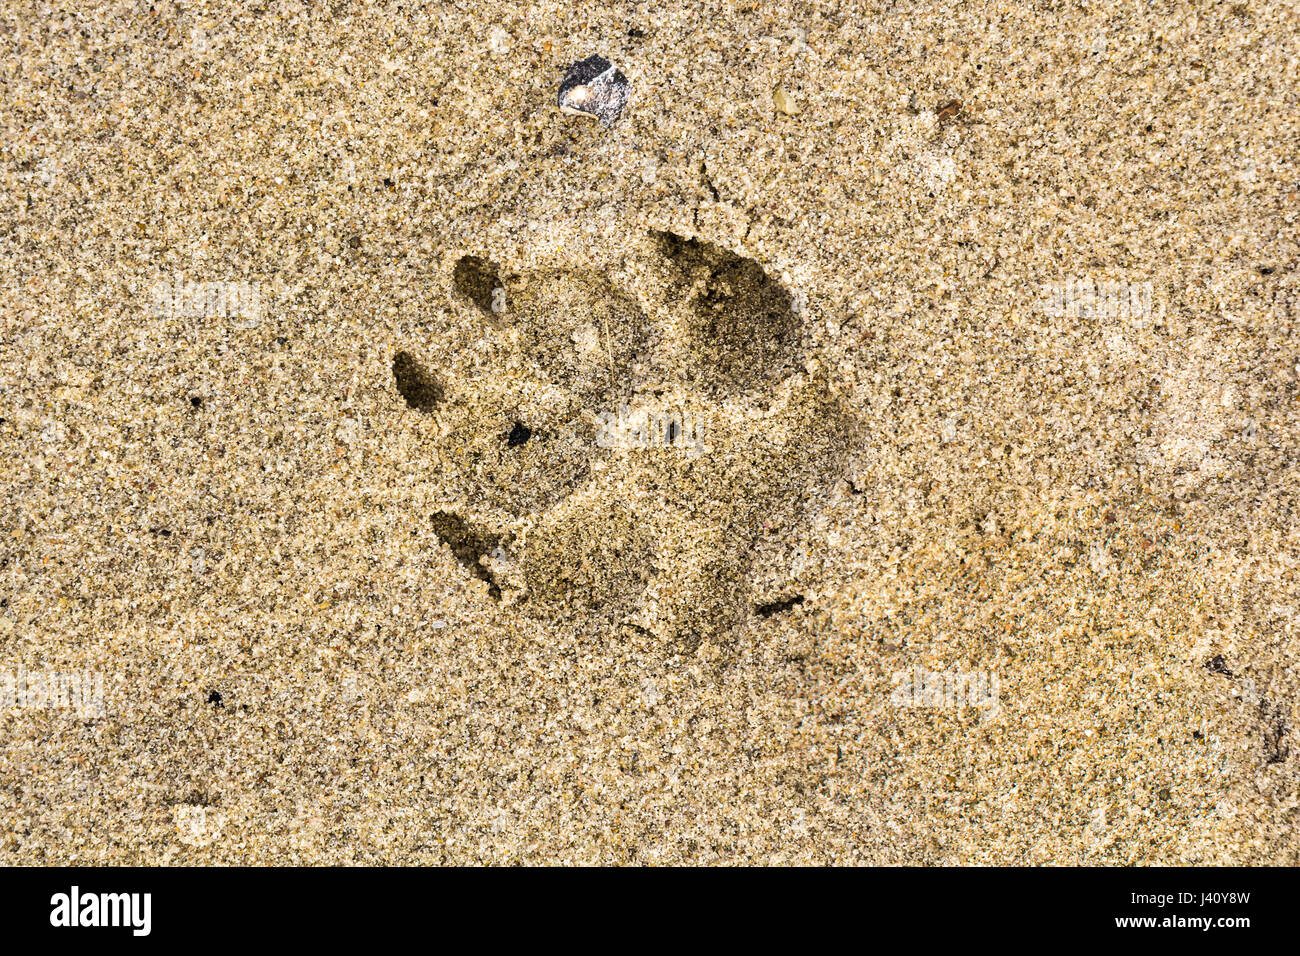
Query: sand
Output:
(878,446)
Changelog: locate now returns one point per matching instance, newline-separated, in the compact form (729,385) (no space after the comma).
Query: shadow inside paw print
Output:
(617,449)
(746,333)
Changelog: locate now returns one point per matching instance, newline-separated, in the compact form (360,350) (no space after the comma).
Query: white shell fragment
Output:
(594,87)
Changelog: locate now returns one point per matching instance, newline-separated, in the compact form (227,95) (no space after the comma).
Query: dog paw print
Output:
(618,436)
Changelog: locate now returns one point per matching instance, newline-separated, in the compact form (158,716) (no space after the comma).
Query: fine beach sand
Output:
(948,559)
